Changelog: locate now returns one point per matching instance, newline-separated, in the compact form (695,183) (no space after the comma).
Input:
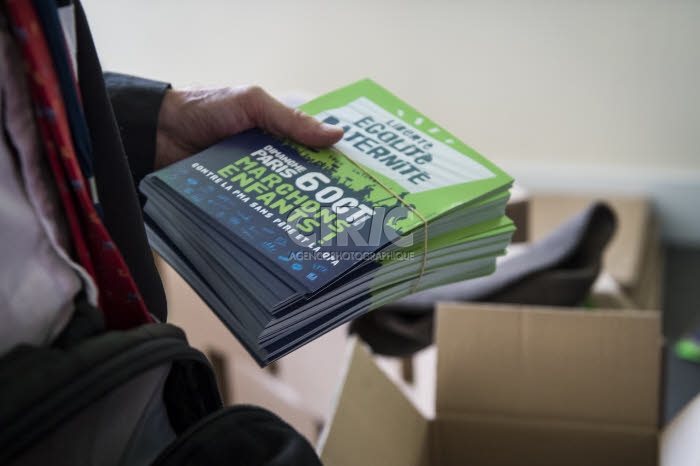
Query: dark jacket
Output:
(160,393)
(122,114)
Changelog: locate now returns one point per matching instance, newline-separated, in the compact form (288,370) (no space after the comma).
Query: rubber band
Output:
(411,208)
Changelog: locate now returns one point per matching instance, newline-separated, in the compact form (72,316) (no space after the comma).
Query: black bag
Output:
(136,397)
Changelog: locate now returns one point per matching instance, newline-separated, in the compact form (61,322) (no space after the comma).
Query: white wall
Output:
(601,88)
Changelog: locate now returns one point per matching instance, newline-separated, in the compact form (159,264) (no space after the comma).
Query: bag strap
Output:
(41,387)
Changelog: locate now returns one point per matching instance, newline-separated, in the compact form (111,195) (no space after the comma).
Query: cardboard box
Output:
(634,257)
(515,386)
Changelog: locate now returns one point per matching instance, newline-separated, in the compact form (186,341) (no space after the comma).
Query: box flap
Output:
(626,250)
(549,363)
(490,441)
(679,440)
(648,290)
(373,422)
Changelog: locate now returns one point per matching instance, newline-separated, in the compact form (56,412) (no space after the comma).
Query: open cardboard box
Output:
(517,386)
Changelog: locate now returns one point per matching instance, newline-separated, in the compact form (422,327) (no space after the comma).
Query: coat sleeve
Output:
(136,103)
(114,175)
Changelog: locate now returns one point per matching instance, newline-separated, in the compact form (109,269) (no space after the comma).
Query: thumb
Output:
(281,120)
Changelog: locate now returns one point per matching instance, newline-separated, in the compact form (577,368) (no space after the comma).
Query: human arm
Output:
(160,125)
(192,119)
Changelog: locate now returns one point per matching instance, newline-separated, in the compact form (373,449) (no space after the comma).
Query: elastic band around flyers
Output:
(410,207)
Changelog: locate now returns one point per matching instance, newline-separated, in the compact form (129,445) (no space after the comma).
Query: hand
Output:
(191,120)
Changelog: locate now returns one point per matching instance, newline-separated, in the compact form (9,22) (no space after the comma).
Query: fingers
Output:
(270,114)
